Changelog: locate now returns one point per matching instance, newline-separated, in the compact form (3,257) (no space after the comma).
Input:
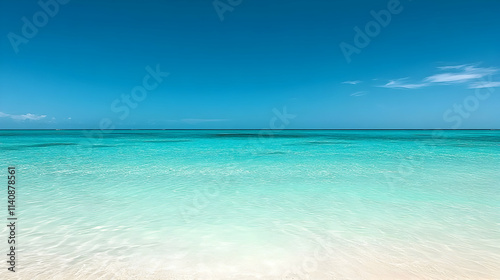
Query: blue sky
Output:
(242,63)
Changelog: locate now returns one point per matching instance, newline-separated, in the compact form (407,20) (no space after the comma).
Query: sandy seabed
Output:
(349,262)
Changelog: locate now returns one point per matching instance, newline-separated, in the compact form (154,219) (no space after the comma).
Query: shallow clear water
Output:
(249,204)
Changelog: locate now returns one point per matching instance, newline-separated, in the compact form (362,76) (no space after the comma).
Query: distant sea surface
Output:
(250,204)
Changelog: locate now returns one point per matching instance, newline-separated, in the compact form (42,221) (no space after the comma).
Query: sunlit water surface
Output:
(246,204)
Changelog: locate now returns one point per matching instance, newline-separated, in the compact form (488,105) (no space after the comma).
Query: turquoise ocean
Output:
(251,204)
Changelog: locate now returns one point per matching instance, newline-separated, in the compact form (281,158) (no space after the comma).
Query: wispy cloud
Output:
(195,121)
(401,83)
(455,74)
(452,78)
(484,85)
(463,73)
(359,93)
(452,67)
(352,82)
(24,117)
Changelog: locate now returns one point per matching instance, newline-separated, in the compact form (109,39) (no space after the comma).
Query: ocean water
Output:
(250,204)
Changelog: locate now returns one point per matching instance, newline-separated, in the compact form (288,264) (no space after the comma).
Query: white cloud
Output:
(24,117)
(465,73)
(359,93)
(484,85)
(400,83)
(455,74)
(351,82)
(452,78)
(452,67)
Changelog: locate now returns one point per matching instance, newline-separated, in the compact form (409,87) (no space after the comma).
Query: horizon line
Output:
(58,129)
